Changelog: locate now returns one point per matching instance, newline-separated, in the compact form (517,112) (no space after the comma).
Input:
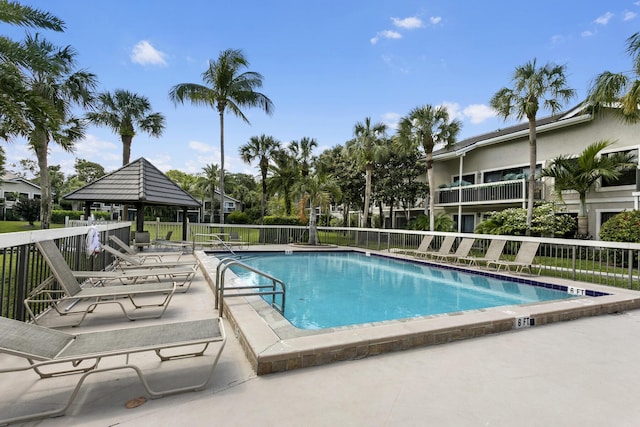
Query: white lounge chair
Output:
(524,259)
(69,353)
(462,251)
(444,249)
(129,261)
(493,253)
(422,248)
(71,290)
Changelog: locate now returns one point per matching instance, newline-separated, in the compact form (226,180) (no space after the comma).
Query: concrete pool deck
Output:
(272,344)
(582,372)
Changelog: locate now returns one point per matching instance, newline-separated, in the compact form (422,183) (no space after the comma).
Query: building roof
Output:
(578,114)
(137,182)
(12,177)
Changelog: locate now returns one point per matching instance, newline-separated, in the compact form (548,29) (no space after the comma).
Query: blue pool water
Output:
(329,289)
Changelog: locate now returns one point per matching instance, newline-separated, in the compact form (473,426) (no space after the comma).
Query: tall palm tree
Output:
(367,148)
(581,173)
(317,189)
(262,148)
(61,87)
(302,151)
(14,58)
(208,183)
(621,88)
(423,128)
(284,175)
(226,88)
(126,113)
(533,87)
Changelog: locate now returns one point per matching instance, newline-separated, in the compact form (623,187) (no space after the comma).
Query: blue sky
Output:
(326,64)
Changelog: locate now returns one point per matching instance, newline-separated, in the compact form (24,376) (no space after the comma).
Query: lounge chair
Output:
(71,290)
(125,248)
(422,248)
(524,259)
(129,261)
(235,240)
(462,251)
(82,352)
(445,248)
(494,251)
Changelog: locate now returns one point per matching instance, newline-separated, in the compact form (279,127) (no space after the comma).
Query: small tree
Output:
(28,209)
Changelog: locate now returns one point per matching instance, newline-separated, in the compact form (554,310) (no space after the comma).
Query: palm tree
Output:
(423,128)
(367,148)
(581,173)
(532,86)
(208,183)
(302,151)
(14,58)
(62,88)
(263,148)
(317,189)
(226,88)
(620,88)
(284,175)
(125,112)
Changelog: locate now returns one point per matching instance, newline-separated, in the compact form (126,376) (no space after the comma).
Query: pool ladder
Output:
(222,267)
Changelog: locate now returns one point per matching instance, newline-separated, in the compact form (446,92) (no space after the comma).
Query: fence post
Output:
(573,263)
(630,255)
(21,285)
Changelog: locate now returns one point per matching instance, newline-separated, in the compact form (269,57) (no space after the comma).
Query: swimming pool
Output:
(333,289)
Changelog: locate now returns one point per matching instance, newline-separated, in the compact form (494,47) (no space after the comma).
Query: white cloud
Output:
(454,110)
(557,39)
(200,147)
(478,113)
(604,19)
(586,33)
(391,119)
(386,34)
(144,53)
(628,16)
(435,20)
(409,23)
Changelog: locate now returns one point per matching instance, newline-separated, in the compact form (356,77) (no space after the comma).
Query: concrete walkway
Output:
(579,373)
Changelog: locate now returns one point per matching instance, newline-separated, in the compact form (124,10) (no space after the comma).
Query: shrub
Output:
(29,209)
(546,221)
(624,227)
(237,217)
(442,222)
(281,220)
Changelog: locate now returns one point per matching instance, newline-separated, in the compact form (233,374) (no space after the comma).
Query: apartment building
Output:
(488,172)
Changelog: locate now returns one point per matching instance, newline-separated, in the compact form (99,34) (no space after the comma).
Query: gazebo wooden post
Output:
(87,209)
(139,217)
(184,223)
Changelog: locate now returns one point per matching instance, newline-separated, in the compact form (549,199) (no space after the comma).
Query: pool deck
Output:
(580,372)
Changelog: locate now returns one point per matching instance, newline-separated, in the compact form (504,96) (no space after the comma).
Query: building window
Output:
(606,216)
(468,223)
(466,179)
(628,176)
(509,174)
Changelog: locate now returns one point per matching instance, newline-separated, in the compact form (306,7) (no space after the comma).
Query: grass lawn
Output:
(14,226)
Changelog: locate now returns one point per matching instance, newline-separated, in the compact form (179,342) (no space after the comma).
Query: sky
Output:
(326,65)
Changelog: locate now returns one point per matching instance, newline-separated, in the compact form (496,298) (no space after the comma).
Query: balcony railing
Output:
(489,193)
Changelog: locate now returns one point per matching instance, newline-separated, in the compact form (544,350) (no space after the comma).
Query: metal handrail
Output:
(220,279)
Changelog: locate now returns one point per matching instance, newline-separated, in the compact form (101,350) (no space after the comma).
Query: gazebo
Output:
(138,183)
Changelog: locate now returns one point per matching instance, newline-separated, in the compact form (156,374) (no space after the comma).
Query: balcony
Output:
(487,194)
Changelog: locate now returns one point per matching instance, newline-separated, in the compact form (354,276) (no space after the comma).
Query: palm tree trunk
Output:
(40,144)
(126,149)
(313,227)
(221,111)
(532,171)
(583,219)
(264,196)
(432,222)
(367,195)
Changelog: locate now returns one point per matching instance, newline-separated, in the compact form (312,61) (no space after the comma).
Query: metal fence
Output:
(22,268)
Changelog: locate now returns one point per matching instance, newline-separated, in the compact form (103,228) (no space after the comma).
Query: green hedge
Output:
(58,216)
(281,220)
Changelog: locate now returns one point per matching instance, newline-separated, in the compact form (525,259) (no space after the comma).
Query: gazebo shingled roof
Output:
(137,183)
